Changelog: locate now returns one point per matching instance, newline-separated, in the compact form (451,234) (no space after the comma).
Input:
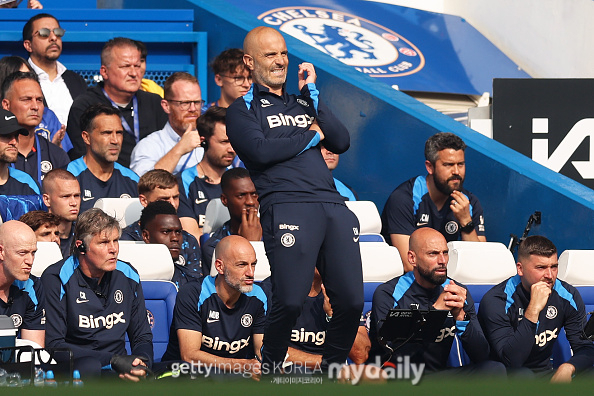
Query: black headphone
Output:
(82,248)
(204,144)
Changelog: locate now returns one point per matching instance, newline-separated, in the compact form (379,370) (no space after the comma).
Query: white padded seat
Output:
(480,263)
(576,267)
(368,215)
(215,216)
(152,261)
(125,210)
(380,261)
(47,254)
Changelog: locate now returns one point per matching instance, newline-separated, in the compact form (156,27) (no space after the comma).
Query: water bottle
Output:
(13,380)
(3,376)
(39,378)
(50,380)
(76,381)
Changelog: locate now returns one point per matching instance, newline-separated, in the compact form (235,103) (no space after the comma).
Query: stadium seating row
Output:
(478,265)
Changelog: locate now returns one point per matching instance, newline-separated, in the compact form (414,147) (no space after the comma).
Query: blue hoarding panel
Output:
(388,131)
(413,49)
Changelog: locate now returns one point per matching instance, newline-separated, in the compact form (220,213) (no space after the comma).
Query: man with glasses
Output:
(42,38)
(231,75)
(176,147)
(141,112)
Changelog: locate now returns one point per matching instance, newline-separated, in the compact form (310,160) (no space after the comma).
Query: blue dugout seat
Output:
(159,297)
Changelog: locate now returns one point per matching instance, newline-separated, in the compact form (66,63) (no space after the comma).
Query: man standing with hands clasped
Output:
(305,222)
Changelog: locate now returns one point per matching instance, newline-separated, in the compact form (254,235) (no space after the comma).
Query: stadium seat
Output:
(380,264)
(152,261)
(479,266)
(159,298)
(380,261)
(480,263)
(368,215)
(47,254)
(215,216)
(125,210)
(576,267)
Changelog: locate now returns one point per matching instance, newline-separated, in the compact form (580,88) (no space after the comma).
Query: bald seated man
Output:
(219,321)
(20,294)
(427,287)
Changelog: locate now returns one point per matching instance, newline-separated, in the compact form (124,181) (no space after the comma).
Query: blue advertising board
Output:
(409,49)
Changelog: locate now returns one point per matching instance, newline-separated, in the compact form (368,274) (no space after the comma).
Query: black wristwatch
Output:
(468,228)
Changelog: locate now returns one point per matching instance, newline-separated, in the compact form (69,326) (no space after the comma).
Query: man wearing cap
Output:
(12,181)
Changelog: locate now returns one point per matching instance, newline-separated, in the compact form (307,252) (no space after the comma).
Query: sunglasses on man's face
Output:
(45,32)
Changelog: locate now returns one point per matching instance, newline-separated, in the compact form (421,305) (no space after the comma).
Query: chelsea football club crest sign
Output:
(367,46)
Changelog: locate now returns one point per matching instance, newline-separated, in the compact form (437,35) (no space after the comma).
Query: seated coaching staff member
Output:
(523,315)
(220,320)
(437,200)
(241,199)
(21,95)
(12,181)
(159,223)
(94,300)
(61,196)
(428,287)
(98,173)
(20,294)
(160,185)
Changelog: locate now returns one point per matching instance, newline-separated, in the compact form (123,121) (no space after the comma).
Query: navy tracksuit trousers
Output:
(298,237)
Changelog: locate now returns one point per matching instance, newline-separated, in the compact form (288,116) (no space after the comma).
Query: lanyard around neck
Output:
(136,132)
(38,159)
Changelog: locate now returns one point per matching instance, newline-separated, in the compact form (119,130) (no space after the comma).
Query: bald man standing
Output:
(19,293)
(427,287)
(305,221)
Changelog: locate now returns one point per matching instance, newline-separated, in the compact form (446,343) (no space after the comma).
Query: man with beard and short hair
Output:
(437,200)
(61,196)
(97,172)
(523,315)
(220,320)
(42,38)
(159,224)
(176,147)
(427,287)
(201,183)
